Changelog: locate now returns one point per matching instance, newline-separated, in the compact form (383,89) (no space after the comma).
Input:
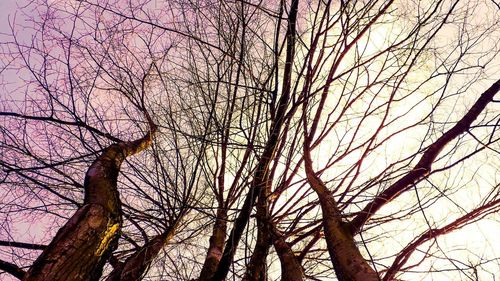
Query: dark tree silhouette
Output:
(215,140)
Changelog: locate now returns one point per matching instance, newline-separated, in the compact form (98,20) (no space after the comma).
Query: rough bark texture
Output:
(83,245)
(137,265)
(81,248)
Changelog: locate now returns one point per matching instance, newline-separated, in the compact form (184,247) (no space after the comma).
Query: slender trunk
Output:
(83,245)
(256,269)
(244,216)
(216,245)
(267,155)
(137,264)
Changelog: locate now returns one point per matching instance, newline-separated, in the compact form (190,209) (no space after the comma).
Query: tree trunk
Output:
(424,165)
(256,269)
(348,263)
(137,264)
(267,155)
(216,245)
(83,245)
(291,269)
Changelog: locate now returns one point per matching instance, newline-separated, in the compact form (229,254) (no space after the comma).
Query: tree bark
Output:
(348,263)
(291,269)
(216,245)
(256,269)
(83,245)
(137,264)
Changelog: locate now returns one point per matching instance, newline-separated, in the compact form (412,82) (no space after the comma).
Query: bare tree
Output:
(273,140)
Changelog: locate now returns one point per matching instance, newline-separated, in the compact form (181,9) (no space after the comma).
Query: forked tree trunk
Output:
(83,245)
(347,261)
(424,165)
(268,234)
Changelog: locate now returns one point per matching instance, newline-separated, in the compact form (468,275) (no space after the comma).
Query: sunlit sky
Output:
(488,228)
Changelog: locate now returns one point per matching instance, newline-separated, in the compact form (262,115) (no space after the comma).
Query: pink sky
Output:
(7,9)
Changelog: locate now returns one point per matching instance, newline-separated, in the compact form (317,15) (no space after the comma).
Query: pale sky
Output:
(485,228)
(7,9)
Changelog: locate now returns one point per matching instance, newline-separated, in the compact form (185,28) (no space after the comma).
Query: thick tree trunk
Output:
(348,263)
(137,264)
(81,248)
(291,269)
(83,245)
(216,245)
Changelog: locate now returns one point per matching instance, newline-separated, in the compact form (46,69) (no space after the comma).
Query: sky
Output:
(8,8)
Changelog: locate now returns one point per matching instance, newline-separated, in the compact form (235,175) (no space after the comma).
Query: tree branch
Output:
(424,166)
(12,269)
(22,245)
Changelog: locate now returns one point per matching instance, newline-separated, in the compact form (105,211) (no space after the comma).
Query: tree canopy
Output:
(250,140)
